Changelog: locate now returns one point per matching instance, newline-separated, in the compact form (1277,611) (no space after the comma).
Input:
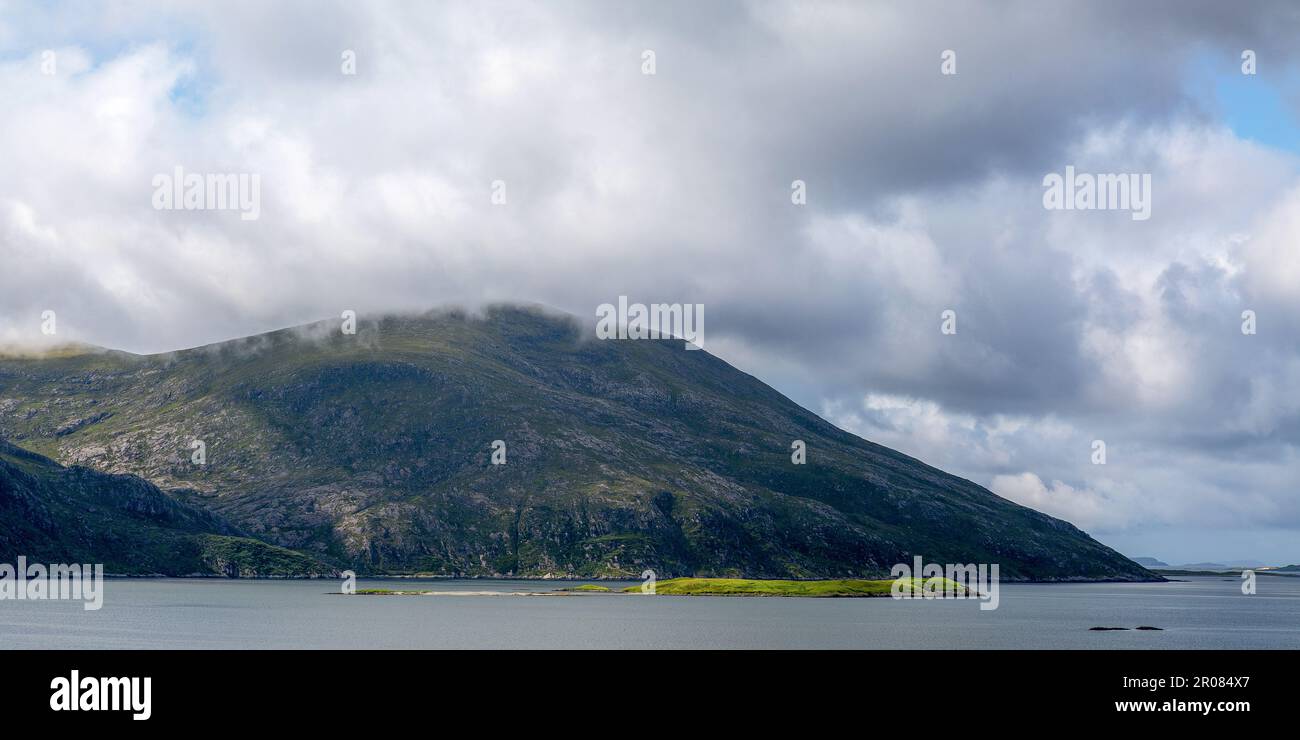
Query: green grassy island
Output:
(719,587)
(753,587)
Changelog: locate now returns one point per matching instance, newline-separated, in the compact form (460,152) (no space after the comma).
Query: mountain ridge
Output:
(373,451)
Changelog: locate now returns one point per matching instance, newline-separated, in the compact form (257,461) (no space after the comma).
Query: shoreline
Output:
(580,579)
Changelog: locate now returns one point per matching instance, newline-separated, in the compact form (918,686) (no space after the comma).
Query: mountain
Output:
(53,514)
(1247,564)
(1230,565)
(1202,566)
(1150,563)
(373,451)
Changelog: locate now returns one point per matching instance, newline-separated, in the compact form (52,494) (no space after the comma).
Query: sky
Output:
(924,194)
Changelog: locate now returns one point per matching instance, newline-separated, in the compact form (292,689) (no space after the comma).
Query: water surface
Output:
(1199,612)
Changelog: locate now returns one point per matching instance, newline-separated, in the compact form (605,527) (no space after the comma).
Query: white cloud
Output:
(924,195)
(1107,507)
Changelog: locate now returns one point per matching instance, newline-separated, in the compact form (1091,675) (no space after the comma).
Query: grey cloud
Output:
(924,194)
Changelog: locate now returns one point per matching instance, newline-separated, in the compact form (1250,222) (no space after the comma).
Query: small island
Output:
(851,587)
(841,588)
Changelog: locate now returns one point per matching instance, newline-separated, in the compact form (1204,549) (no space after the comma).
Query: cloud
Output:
(1088,509)
(924,195)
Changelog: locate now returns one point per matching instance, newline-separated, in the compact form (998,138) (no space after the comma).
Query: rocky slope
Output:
(53,514)
(373,451)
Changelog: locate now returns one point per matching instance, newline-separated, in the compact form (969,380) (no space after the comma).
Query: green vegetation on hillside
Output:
(53,514)
(246,557)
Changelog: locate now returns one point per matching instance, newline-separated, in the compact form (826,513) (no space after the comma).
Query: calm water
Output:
(1202,612)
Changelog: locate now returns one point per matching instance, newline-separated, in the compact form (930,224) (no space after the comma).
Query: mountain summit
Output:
(375,451)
